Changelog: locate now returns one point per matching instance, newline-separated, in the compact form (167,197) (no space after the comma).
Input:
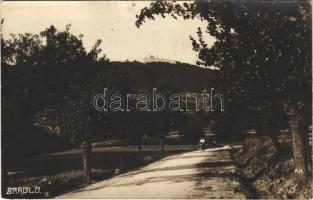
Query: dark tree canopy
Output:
(263,49)
(49,47)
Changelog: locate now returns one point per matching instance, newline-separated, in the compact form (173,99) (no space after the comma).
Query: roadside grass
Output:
(268,173)
(61,172)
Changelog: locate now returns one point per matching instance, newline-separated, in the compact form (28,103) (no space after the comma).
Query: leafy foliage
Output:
(263,50)
(42,78)
(49,81)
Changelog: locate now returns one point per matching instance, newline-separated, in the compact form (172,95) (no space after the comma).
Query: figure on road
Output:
(202,143)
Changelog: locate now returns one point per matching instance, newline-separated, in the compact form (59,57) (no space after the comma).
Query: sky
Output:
(111,21)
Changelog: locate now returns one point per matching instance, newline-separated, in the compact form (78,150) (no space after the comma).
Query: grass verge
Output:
(61,172)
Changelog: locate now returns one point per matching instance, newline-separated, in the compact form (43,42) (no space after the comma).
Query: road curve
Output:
(209,174)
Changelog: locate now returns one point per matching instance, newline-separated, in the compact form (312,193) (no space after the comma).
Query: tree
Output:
(55,65)
(263,50)
(49,47)
(191,125)
(134,127)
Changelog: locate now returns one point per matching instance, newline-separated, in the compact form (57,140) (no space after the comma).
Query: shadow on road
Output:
(211,164)
(208,174)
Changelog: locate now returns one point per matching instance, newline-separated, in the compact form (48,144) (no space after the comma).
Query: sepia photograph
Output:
(205,99)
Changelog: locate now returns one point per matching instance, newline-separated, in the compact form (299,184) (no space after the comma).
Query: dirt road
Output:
(208,174)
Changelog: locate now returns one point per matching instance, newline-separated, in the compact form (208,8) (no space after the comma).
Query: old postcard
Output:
(156,99)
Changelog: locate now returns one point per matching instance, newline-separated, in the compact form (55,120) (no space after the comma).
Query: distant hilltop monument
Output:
(151,58)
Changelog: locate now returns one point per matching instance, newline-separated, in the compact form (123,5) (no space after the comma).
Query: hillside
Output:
(174,77)
(30,93)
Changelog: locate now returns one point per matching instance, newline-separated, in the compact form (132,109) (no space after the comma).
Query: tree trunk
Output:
(308,149)
(4,169)
(4,178)
(162,145)
(298,143)
(87,160)
(276,143)
(139,152)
